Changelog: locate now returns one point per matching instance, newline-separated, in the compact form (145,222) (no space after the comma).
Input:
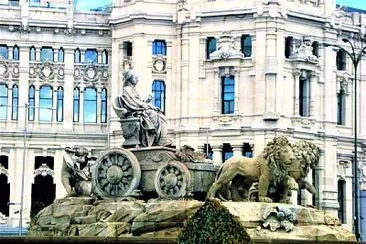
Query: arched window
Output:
(60,105)
(304,94)
(105,57)
(32,54)
(210,46)
(15,52)
(60,56)
(77,56)
(341,107)
(76,104)
(158,93)
(47,54)
(227,94)
(316,47)
(91,56)
(90,105)
(4,51)
(31,102)
(15,102)
(45,103)
(103,111)
(159,47)
(3,101)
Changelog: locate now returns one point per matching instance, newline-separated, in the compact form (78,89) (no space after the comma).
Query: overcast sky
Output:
(87,4)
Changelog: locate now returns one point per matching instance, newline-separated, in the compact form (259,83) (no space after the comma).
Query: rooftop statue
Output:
(270,167)
(153,125)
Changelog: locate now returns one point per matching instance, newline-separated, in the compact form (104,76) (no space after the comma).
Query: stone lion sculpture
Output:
(270,167)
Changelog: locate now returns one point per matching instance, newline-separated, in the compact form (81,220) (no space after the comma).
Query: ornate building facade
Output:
(229,77)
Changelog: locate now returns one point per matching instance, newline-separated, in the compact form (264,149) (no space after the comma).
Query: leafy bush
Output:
(213,223)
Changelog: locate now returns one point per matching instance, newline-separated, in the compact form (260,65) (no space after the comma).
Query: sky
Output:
(87,4)
(361,4)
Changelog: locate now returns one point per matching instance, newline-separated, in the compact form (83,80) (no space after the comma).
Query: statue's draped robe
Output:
(153,123)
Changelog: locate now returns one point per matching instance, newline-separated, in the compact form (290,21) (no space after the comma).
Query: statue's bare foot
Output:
(265,199)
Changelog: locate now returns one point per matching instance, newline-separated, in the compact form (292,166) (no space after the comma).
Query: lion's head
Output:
(280,155)
(307,154)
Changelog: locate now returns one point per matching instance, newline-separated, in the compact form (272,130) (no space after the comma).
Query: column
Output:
(236,91)
(55,55)
(68,89)
(81,105)
(296,75)
(36,102)
(24,84)
(99,103)
(54,105)
(58,159)
(217,84)
(10,53)
(217,154)
(237,150)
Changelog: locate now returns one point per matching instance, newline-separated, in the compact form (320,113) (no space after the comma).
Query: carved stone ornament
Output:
(91,73)
(279,218)
(305,52)
(4,70)
(159,64)
(227,49)
(3,170)
(127,63)
(46,71)
(44,170)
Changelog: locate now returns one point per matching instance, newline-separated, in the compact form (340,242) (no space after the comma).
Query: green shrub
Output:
(213,223)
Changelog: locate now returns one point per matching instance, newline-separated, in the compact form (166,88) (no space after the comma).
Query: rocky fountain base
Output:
(165,218)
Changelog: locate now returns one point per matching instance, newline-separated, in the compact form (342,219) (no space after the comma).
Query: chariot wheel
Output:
(172,179)
(117,173)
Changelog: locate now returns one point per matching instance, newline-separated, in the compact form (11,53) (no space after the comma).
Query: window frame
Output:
(60,104)
(31,102)
(161,90)
(16,53)
(341,60)
(4,49)
(159,47)
(44,55)
(77,56)
(103,105)
(86,59)
(224,91)
(104,56)
(32,54)
(61,55)
(209,50)
(86,100)
(76,99)
(5,97)
(245,47)
(15,100)
(304,96)
(341,107)
(44,109)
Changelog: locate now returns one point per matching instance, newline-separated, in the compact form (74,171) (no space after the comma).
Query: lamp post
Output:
(356,59)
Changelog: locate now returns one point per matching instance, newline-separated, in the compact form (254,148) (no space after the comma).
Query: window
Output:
(34,3)
(91,56)
(159,47)
(227,94)
(341,107)
(210,46)
(208,151)
(315,46)
(76,104)
(45,103)
(304,95)
(288,46)
(15,52)
(77,56)
(14,3)
(32,54)
(4,51)
(246,45)
(47,54)
(341,199)
(105,57)
(15,102)
(31,101)
(90,105)
(341,60)
(227,152)
(60,105)
(3,101)
(60,55)
(158,92)
(127,49)
(103,111)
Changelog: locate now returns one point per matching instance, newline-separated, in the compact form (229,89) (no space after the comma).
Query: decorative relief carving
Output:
(43,170)
(3,170)
(227,48)
(9,69)
(91,72)
(304,51)
(127,63)
(46,71)
(159,64)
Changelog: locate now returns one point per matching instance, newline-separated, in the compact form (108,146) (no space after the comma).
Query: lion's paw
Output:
(265,199)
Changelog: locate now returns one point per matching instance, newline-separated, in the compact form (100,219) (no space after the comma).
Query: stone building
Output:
(228,75)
